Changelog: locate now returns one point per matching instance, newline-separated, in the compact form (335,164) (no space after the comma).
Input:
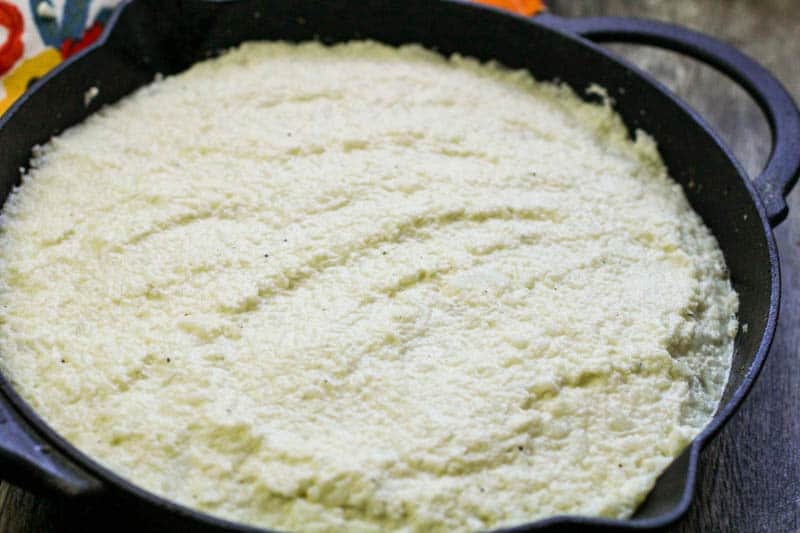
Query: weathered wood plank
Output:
(750,473)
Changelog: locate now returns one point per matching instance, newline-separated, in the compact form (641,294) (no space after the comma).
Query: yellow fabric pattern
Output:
(27,72)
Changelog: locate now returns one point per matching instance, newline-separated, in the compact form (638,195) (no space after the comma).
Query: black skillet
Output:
(147,37)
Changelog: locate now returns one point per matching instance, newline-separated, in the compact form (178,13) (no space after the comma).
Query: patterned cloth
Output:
(37,35)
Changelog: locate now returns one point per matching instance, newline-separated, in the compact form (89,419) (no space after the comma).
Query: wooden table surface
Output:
(750,473)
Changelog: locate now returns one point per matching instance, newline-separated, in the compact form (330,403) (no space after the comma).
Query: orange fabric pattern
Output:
(522,7)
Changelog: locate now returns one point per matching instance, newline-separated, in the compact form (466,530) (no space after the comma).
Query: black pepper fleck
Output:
(63,361)
(168,360)
(520,448)
(266,255)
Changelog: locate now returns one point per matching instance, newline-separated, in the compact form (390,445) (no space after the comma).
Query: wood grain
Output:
(750,473)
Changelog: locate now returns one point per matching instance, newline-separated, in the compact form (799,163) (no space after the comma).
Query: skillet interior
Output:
(149,39)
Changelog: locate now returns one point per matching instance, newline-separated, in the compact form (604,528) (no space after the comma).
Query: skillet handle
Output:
(783,166)
(30,463)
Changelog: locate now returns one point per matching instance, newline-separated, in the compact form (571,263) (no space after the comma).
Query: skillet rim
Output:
(122,487)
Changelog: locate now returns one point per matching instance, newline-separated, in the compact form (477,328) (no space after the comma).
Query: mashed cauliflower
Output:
(365,288)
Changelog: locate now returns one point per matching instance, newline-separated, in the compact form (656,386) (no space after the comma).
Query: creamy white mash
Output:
(365,288)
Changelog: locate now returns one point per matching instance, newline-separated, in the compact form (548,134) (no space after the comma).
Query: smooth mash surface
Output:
(367,288)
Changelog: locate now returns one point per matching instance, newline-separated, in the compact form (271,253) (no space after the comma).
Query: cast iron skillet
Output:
(147,37)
